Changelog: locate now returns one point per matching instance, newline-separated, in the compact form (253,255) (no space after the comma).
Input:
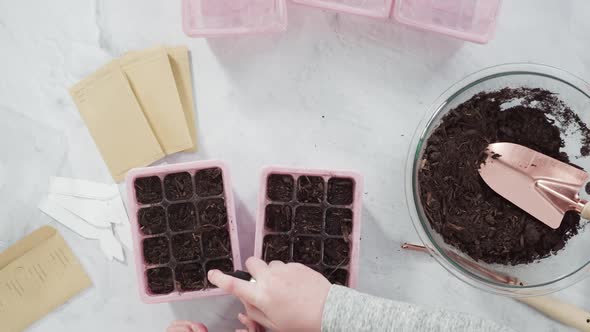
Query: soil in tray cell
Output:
(209,182)
(156,250)
(336,276)
(336,252)
(159,280)
(148,190)
(307,250)
(279,187)
(276,248)
(186,247)
(216,243)
(182,217)
(340,191)
(212,212)
(310,189)
(152,220)
(339,222)
(178,186)
(278,218)
(190,277)
(223,265)
(308,219)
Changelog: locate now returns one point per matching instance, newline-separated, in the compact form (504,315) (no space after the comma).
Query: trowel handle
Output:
(586,212)
(565,313)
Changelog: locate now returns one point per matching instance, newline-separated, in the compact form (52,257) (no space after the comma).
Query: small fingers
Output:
(186,326)
(250,324)
(256,267)
(275,264)
(237,287)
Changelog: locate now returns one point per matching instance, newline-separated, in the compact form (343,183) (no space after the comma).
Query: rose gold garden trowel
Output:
(544,187)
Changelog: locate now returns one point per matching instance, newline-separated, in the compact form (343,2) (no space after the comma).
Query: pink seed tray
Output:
(370,8)
(471,20)
(183,223)
(214,18)
(312,217)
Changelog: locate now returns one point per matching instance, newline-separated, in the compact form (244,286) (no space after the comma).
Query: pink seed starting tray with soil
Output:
(311,217)
(183,225)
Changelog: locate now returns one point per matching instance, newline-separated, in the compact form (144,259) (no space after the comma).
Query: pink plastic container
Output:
(213,18)
(370,8)
(197,201)
(471,20)
(288,208)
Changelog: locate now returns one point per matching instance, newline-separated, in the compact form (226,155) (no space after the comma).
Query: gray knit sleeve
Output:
(349,310)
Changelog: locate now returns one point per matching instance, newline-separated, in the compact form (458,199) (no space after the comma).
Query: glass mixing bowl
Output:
(569,265)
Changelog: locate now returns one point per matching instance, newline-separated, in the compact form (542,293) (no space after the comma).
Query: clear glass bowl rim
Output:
(420,222)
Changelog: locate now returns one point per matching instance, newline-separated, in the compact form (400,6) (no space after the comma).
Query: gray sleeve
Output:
(349,310)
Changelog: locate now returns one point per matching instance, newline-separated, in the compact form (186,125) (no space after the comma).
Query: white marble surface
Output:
(354,89)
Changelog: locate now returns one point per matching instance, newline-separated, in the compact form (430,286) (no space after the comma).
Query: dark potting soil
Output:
(152,220)
(308,219)
(336,252)
(160,281)
(336,276)
(307,250)
(213,212)
(310,189)
(182,217)
(278,217)
(205,243)
(280,187)
(148,190)
(156,250)
(339,222)
(314,229)
(186,247)
(461,207)
(340,191)
(178,186)
(209,182)
(190,277)
(216,243)
(276,248)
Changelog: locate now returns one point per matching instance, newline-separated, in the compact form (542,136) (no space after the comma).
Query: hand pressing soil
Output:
(461,207)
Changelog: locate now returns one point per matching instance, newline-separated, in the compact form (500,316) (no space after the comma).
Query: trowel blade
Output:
(544,187)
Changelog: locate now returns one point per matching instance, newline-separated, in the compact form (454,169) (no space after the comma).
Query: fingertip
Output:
(199,327)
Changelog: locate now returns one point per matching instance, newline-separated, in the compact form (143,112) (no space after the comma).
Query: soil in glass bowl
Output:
(461,207)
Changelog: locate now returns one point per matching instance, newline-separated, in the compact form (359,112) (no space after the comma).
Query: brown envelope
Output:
(180,62)
(152,80)
(115,120)
(38,274)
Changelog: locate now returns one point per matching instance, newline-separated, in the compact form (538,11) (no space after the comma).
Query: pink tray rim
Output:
(132,211)
(357,210)
(348,9)
(472,37)
(211,33)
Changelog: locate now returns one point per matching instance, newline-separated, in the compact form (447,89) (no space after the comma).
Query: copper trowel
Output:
(544,187)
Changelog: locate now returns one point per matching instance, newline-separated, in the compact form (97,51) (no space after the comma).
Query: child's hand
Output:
(285,297)
(186,326)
